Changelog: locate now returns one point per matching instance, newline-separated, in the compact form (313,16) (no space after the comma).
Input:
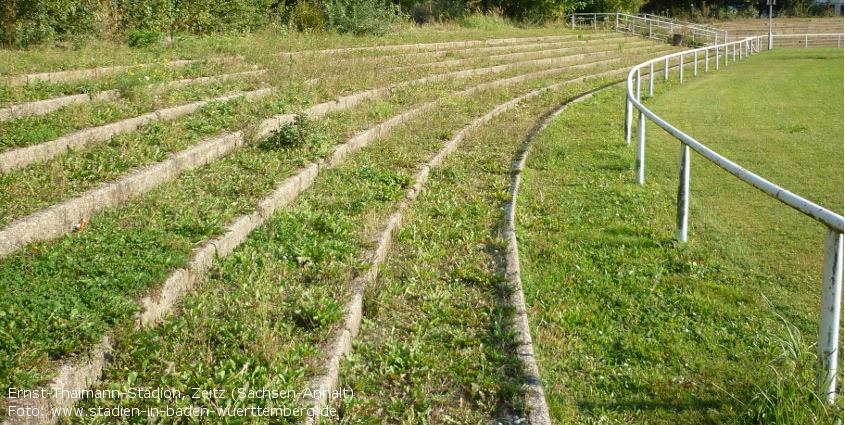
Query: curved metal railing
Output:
(832,274)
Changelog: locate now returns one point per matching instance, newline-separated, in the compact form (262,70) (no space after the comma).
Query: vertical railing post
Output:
(640,139)
(717,58)
(628,120)
(616,29)
(806,39)
(683,195)
(666,69)
(726,55)
(830,315)
(681,69)
(695,63)
(734,51)
(706,60)
(651,79)
(573,21)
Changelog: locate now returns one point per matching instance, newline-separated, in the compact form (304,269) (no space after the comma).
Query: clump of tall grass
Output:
(790,394)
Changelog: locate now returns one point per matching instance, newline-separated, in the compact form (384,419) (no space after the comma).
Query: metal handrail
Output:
(832,273)
(624,22)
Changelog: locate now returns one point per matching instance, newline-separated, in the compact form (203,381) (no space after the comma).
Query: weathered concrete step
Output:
(44,107)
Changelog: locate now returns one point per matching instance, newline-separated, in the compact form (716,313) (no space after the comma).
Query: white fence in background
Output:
(649,26)
(831,303)
(804,40)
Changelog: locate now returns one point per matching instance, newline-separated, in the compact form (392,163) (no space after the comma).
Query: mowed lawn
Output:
(631,327)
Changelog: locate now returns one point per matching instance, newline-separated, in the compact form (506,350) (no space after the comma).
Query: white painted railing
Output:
(831,302)
(649,26)
(805,40)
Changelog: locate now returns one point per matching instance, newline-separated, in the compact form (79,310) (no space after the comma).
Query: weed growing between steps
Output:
(629,326)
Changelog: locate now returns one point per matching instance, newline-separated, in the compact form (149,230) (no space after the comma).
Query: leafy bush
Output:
(27,22)
(361,16)
(306,16)
(146,14)
(141,38)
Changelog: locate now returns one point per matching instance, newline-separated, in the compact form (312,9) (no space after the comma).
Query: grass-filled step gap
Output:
(160,71)
(629,326)
(435,342)
(292,274)
(413,45)
(29,131)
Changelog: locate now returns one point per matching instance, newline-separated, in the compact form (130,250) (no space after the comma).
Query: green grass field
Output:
(631,327)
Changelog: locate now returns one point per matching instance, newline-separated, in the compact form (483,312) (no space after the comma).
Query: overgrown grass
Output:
(631,327)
